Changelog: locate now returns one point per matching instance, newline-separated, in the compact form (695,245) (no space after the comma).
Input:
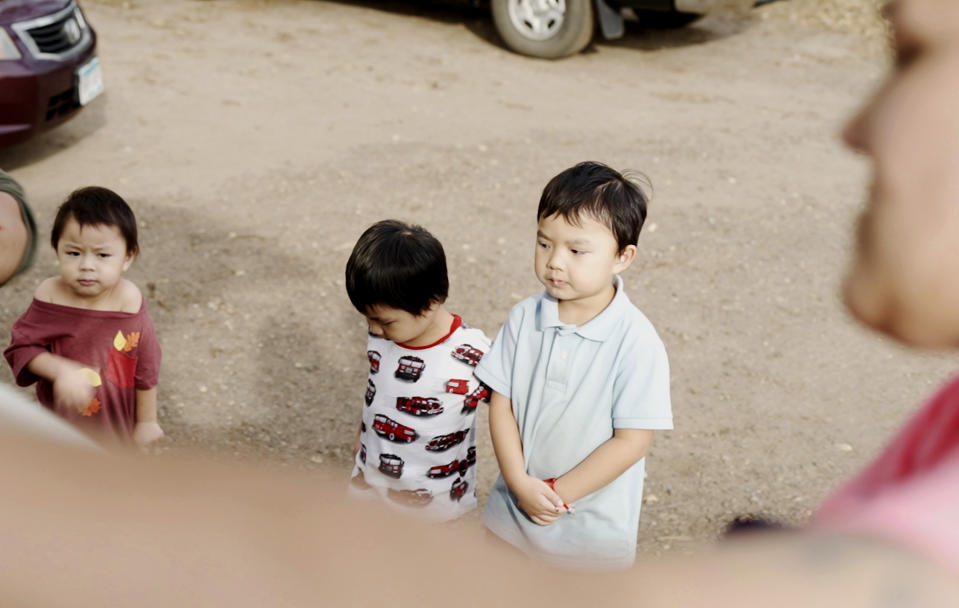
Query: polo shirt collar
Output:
(599,328)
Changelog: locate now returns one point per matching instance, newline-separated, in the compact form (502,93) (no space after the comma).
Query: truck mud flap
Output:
(610,21)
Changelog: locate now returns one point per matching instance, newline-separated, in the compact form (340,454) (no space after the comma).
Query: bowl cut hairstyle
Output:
(593,189)
(398,265)
(96,206)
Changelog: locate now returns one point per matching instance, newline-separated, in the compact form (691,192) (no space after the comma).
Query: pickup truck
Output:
(551,29)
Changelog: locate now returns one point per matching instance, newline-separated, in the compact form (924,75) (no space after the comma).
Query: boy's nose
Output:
(375,329)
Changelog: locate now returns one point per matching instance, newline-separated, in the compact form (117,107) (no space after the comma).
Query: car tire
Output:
(548,29)
(665,20)
(392,437)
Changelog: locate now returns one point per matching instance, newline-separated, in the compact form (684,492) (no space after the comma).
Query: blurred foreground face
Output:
(905,278)
(13,237)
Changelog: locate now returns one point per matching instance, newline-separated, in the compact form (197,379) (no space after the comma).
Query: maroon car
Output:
(48,66)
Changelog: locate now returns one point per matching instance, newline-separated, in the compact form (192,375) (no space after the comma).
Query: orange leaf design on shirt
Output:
(92,409)
(126,343)
(132,340)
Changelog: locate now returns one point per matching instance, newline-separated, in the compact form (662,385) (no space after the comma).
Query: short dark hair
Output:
(96,206)
(600,192)
(397,265)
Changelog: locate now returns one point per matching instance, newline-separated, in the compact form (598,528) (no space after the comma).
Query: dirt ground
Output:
(256,140)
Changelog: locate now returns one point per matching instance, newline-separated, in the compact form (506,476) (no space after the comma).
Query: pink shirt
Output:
(910,493)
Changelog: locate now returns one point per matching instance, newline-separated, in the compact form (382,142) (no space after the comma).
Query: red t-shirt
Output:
(910,493)
(119,349)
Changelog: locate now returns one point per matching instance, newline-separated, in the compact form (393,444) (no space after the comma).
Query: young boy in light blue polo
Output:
(580,380)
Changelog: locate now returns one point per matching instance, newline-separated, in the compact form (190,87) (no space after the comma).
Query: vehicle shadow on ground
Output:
(709,29)
(477,20)
(47,144)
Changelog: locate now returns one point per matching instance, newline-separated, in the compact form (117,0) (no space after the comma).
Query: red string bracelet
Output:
(551,482)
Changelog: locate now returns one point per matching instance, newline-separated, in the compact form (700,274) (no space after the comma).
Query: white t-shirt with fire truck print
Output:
(418,440)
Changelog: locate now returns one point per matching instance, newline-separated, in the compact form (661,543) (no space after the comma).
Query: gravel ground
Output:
(256,140)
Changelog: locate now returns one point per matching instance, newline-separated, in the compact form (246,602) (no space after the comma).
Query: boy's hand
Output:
(540,503)
(72,388)
(147,433)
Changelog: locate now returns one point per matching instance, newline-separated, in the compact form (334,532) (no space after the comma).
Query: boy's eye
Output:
(104,255)
(74,253)
(542,245)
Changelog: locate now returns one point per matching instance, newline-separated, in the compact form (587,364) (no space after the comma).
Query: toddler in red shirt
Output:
(87,339)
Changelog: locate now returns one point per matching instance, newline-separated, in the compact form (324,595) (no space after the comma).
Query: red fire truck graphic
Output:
(480,393)
(445,470)
(374,358)
(392,465)
(414,498)
(419,406)
(458,489)
(442,443)
(457,386)
(410,368)
(370,391)
(392,430)
(467,354)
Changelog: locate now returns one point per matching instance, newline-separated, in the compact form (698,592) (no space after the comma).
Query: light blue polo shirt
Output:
(570,386)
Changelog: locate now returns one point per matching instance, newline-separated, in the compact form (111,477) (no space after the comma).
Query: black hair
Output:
(96,206)
(600,192)
(397,265)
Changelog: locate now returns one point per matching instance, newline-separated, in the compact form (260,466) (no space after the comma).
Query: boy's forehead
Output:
(379,312)
(581,222)
(73,225)
(74,231)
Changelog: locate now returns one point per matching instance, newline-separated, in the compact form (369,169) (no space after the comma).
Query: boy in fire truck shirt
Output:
(416,446)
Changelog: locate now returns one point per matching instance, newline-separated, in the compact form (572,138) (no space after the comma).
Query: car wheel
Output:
(392,436)
(548,29)
(665,20)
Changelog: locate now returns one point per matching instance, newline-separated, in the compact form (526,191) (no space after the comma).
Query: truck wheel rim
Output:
(537,19)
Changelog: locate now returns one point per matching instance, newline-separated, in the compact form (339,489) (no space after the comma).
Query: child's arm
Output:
(607,462)
(147,430)
(71,385)
(536,499)
(358,440)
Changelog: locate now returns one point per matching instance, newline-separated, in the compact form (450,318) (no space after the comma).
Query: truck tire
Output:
(665,20)
(549,29)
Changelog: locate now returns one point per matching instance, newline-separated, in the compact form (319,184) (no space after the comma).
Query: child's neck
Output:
(580,312)
(440,322)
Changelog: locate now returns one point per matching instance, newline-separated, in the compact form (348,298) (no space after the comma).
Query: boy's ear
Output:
(129,261)
(624,258)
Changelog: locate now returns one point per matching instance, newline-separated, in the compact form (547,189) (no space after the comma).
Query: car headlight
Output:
(8,50)
(78,15)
